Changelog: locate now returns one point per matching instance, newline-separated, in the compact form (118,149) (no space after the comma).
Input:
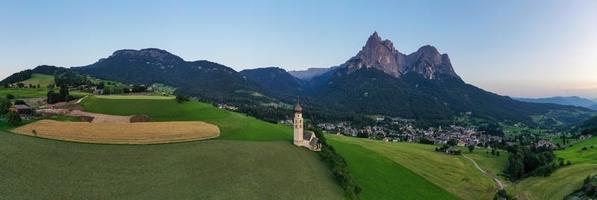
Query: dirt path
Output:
(81,99)
(499,183)
(97,117)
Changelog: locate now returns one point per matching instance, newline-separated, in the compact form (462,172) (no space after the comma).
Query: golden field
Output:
(121,133)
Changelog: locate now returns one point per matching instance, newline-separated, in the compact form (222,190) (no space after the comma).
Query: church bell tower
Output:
(298,123)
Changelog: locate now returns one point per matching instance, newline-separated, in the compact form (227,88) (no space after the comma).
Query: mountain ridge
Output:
(421,85)
(564,100)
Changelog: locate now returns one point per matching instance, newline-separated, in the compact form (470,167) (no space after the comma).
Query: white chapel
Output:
(303,138)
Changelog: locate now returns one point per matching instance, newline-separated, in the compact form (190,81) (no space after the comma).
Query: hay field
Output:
(121,133)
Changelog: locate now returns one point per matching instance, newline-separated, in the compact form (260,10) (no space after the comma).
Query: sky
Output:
(520,48)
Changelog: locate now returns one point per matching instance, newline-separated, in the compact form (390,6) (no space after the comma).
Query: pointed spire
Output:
(298,107)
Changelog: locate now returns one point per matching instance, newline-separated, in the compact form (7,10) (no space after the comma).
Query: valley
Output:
(147,124)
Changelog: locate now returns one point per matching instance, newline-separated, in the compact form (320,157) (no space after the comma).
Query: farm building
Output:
(22,109)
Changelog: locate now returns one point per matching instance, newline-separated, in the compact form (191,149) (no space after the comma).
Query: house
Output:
(546,144)
(585,137)
(22,109)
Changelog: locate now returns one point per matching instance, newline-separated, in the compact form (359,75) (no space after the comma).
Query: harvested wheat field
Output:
(121,133)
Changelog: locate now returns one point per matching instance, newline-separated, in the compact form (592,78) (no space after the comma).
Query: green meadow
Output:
(252,160)
(454,175)
(564,180)
(558,185)
(581,152)
(383,178)
(234,126)
(35,168)
(43,80)
(24,93)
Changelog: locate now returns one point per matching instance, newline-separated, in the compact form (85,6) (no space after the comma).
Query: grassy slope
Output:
(453,173)
(578,156)
(155,97)
(23,93)
(232,125)
(268,168)
(382,178)
(27,93)
(34,168)
(565,180)
(492,164)
(555,187)
(42,79)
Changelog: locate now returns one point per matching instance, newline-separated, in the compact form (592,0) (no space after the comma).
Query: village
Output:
(401,130)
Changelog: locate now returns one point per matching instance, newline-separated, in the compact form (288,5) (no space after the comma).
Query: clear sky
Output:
(518,48)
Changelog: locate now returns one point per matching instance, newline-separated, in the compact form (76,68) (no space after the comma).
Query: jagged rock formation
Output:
(381,54)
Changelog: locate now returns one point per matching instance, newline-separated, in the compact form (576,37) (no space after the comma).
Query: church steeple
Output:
(298,123)
(298,107)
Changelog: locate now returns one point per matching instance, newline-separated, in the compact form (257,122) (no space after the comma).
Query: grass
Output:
(382,178)
(269,167)
(28,93)
(556,186)
(24,93)
(234,126)
(42,80)
(455,174)
(564,180)
(35,168)
(492,164)
(579,156)
(155,97)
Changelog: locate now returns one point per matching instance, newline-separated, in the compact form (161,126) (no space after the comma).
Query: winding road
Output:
(499,183)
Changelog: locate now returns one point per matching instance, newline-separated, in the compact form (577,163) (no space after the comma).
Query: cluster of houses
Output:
(228,107)
(395,130)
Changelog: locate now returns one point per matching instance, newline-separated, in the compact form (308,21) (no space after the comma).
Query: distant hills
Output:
(203,79)
(570,100)
(310,73)
(378,80)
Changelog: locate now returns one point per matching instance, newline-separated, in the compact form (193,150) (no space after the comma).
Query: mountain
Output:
(202,79)
(381,54)
(275,81)
(309,73)
(571,100)
(422,85)
(26,74)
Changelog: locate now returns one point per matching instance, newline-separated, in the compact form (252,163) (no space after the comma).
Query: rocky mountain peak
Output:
(382,55)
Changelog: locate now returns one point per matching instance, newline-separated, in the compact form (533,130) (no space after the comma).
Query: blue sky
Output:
(519,48)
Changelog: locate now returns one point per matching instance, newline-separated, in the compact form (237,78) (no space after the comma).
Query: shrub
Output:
(10,96)
(13,118)
(4,106)
(181,98)
(502,194)
(20,102)
(339,167)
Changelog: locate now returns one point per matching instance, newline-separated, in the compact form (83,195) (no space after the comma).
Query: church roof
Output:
(298,107)
(307,135)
